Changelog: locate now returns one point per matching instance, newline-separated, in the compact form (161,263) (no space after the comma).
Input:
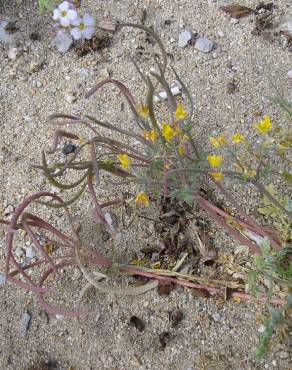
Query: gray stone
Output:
(2,278)
(13,53)
(216,317)
(204,45)
(62,41)
(184,38)
(286,26)
(5,36)
(24,324)
(283,355)
(30,252)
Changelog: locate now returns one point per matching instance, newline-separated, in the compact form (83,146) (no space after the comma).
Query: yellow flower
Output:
(125,160)
(181,150)
(142,198)
(180,113)
(217,176)
(215,160)
(82,141)
(264,126)
(143,110)
(218,141)
(168,132)
(150,135)
(237,138)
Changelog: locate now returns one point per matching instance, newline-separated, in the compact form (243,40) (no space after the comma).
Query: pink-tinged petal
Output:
(57,14)
(64,6)
(76,22)
(65,21)
(88,20)
(87,32)
(76,33)
(72,14)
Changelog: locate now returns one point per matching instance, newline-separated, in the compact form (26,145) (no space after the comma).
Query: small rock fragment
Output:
(216,317)
(13,53)
(231,87)
(289,74)
(84,71)
(8,210)
(4,35)
(30,252)
(286,26)
(204,45)
(71,97)
(261,329)
(283,355)
(69,148)
(184,38)
(24,324)
(176,316)
(2,278)
(163,95)
(62,41)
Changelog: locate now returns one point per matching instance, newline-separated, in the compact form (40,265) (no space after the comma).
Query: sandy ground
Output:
(28,94)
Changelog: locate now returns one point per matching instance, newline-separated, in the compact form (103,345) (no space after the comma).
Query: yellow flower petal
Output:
(264,126)
(215,160)
(237,138)
(143,110)
(217,176)
(150,135)
(218,141)
(168,132)
(124,160)
(142,198)
(180,113)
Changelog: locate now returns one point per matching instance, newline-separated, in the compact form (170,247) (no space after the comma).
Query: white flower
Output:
(64,14)
(84,27)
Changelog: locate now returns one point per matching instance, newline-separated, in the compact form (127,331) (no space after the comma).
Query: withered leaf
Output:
(236,11)
(137,323)
(164,288)
(176,317)
(164,338)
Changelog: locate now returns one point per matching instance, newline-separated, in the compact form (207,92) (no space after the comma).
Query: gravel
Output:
(28,98)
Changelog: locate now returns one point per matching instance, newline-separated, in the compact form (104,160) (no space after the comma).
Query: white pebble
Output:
(30,252)
(2,278)
(184,38)
(289,74)
(261,329)
(163,95)
(216,317)
(204,45)
(13,53)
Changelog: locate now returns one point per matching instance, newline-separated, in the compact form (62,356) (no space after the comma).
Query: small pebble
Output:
(8,210)
(19,252)
(30,252)
(283,355)
(289,74)
(204,45)
(216,317)
(13,53)
(184,38)
(2,278)
(234,21)
(24,324)
(261,329)
(60,317)
(84,71)
(62,41)
(71,98)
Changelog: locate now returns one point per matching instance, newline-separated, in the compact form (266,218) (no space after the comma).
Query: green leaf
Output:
(287,176)
(265,211)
